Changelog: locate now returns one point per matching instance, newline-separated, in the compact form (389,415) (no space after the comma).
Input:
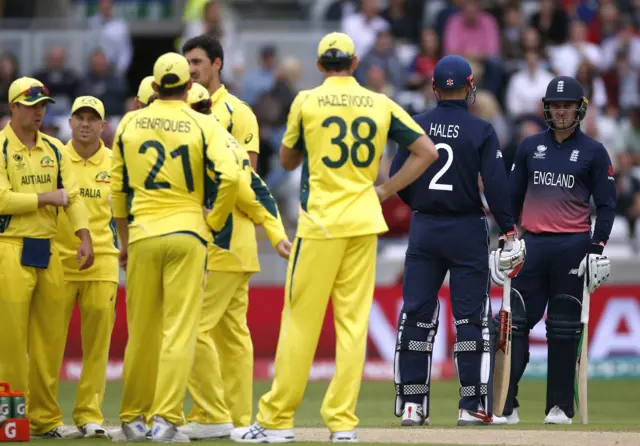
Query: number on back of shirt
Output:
(182,152)
(434,185)
(363,130)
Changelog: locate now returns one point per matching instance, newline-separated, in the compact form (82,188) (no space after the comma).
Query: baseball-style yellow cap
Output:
(171,70)
(336,45)
(94,104)
(145,90)
(197,94)
(28,91)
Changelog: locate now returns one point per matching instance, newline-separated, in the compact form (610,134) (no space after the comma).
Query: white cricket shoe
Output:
(93,430)
(344,437)
(199,431)
(163,431)
(412,415)
(258,434)
(59,433)
(513,418)
(479,418)
(135,430)
(557,416)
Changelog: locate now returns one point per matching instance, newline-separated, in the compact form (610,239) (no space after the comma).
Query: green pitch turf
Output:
(613,406)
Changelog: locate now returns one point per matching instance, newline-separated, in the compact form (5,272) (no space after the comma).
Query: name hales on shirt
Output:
(90,193)
(554,179)
(168,125)
(345,100)
(443,131)
(44,178)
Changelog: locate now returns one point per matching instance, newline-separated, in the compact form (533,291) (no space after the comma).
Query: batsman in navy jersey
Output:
(449,233)
(554,175)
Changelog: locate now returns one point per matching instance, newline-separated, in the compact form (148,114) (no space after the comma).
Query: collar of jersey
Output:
(219,94)
(177,103)
(341,80)
(576,132)
(95,159)
(15,142)
(462,103)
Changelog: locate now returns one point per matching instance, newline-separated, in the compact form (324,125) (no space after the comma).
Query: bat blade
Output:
(582,372)
(502,373)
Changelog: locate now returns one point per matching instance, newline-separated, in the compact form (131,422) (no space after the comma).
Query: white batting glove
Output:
(497,276)
(512,257)
(596,266)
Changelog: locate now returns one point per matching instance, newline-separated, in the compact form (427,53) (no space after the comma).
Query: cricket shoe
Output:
(557,416)
(163,431)
(513,418)
(412,415)
(93,430)
(135,430)
(258,434)
(479,418)
(344,437)
(199,431)
(59,433)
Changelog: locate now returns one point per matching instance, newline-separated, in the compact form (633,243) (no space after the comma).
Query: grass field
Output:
(614,406)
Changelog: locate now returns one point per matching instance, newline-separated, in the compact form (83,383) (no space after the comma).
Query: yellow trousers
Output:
(344,269)
(222,377)
(165,288)
(97,301)
(33,334)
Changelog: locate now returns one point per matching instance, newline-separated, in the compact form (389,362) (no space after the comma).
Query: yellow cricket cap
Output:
(28,91)
(94,104)
(336,45)
(171,70)
(145,90)
(197,93)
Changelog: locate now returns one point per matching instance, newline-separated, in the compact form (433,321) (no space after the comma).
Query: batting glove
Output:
(595,267)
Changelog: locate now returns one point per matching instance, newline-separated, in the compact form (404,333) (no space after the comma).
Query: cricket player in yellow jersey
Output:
(222,379)
(36,178)
(338,132)
(206,60)
(94,288)
(146,93)
(199,99)
(160,157)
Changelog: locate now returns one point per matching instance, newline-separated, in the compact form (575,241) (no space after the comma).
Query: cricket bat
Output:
(502,372)
(582,363)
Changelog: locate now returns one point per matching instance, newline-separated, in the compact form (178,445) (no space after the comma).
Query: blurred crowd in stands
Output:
(515,48)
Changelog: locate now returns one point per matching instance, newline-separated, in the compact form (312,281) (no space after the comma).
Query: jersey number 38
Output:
(352,152)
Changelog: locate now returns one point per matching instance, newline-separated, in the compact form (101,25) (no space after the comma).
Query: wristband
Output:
(596,248)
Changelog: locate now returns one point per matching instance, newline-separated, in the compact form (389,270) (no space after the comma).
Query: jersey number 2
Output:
(434,181)
(182,152)
(345,151)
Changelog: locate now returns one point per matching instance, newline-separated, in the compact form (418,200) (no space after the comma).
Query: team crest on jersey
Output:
(103,177)
(498,154)
(47,162)
(540,155)
(574,156)
(18,161)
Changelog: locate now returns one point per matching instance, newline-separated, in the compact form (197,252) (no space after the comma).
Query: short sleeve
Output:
(293,137)
(403,129)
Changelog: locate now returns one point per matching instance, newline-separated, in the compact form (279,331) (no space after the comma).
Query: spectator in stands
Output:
(421,68)
(364,26)
(103,83)
(9,72)
(404,18)
(552,22)
(626,40)
(593,86)
(384,56)
(605,24)
(566,58)
(526,126)
(261,79)
(114,37)
(530,40)
(629,135)
(452,7)
(420,101)
(628,196)
(486,107)
(473,34)
(622,83)
(61,81)
(50,126)
(376,80)
(511,37)
(526,87)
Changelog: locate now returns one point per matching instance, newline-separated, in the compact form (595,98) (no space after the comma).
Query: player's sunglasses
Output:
(34,93)
(203,107)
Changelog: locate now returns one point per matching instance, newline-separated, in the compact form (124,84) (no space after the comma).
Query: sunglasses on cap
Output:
(203,107)
(34,92)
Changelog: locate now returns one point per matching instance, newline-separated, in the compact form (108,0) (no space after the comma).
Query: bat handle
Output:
(506,293)
(586,302)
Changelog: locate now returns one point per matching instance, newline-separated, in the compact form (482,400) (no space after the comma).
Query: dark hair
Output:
(173,91)
(207,44)
(203,107)
(335,61)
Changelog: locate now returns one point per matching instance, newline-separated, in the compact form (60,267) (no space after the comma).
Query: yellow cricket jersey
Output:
(167,159)
(235,248)
(26,173)
(237,117)
(94,179)
(342,129)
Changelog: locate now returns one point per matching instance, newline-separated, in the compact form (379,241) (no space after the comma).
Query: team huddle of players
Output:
(175,204)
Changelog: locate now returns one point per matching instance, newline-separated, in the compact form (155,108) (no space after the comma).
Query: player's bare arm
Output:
(290,158)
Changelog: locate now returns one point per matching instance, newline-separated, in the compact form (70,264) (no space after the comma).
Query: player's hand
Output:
(205,212)
(512,257)
(497,276)
(596,268)
(58,197)
(123,256)
(382,193)
(85,254)
(284,248)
